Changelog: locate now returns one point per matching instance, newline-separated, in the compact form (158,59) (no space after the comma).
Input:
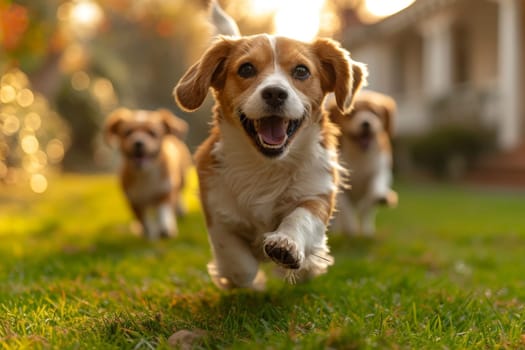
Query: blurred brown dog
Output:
(155,164)
(366,150)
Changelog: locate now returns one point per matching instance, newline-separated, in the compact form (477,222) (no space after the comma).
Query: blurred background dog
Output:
(366,150)
(155,162)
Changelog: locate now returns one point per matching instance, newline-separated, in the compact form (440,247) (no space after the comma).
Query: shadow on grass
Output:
(240,317)
(234,317)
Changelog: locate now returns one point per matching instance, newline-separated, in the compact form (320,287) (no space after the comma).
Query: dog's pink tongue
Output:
(272,130)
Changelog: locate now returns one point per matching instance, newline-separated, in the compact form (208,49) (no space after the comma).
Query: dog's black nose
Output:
(274,96)
(365,126)
(138,145)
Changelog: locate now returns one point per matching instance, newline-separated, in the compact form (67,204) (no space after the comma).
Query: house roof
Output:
(411,15)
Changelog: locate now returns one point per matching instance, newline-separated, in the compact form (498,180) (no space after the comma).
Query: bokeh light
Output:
(29,144)
(80,80)
(25,98)
(104,92)
(55,150)
(32,121)
(11,124)
(7,94)
(74,58)
(38,183)
(85,16)
(27,125)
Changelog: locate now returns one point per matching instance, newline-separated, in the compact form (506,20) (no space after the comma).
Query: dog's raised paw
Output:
(283,251)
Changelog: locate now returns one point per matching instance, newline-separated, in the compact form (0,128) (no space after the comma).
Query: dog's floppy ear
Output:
(330,106)
(339,73)
(173,124)
(209,71)
(389,109)
(113,122)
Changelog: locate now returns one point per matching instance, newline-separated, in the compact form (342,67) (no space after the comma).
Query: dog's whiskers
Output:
(291,277)
(323,258)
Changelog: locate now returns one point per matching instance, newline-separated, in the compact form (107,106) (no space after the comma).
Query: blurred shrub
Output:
(449,150)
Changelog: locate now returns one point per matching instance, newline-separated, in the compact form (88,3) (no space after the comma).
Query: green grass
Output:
(446,270)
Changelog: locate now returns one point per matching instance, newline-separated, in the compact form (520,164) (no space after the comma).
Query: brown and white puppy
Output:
(268,172)
(155,162)
(366,150)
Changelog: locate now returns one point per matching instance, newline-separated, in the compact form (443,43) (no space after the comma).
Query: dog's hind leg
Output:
(234,265)
(367,214)
(346,220)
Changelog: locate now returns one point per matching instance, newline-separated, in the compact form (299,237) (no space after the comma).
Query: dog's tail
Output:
(223,23)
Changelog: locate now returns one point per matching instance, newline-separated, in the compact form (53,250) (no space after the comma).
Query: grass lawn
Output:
(446,270)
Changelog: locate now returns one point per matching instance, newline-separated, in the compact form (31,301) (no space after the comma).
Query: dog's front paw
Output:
(283,251)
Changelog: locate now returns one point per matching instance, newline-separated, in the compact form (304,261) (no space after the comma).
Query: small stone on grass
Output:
(185,339)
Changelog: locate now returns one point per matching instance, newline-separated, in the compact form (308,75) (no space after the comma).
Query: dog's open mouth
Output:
(271,134)
(140,158)
(364,139)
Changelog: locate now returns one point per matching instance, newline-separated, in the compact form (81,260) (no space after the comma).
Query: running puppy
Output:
(268,172)
(365,148)
(155,161)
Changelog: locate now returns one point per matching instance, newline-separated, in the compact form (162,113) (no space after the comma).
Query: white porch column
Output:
(437,55)
(509,61)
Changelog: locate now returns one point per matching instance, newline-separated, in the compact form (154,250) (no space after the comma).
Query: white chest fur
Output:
(253,193)
(148,184)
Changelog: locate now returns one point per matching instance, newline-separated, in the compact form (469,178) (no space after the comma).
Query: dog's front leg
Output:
(234,265)
(381,191)
(299,243)
(167,220)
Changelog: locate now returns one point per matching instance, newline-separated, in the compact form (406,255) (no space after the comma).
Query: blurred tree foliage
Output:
(87,57)
(71,50)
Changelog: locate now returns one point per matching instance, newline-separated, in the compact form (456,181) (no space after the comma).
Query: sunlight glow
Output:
(383,8)
(38,183)
(86,13)
(297,19)
(83,16)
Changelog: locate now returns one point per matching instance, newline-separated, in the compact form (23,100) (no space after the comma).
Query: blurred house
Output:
(451,61)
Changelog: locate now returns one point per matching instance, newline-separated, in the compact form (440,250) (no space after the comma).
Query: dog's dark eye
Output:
(247,70)
(151,133)
(128,132)
(301,72)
